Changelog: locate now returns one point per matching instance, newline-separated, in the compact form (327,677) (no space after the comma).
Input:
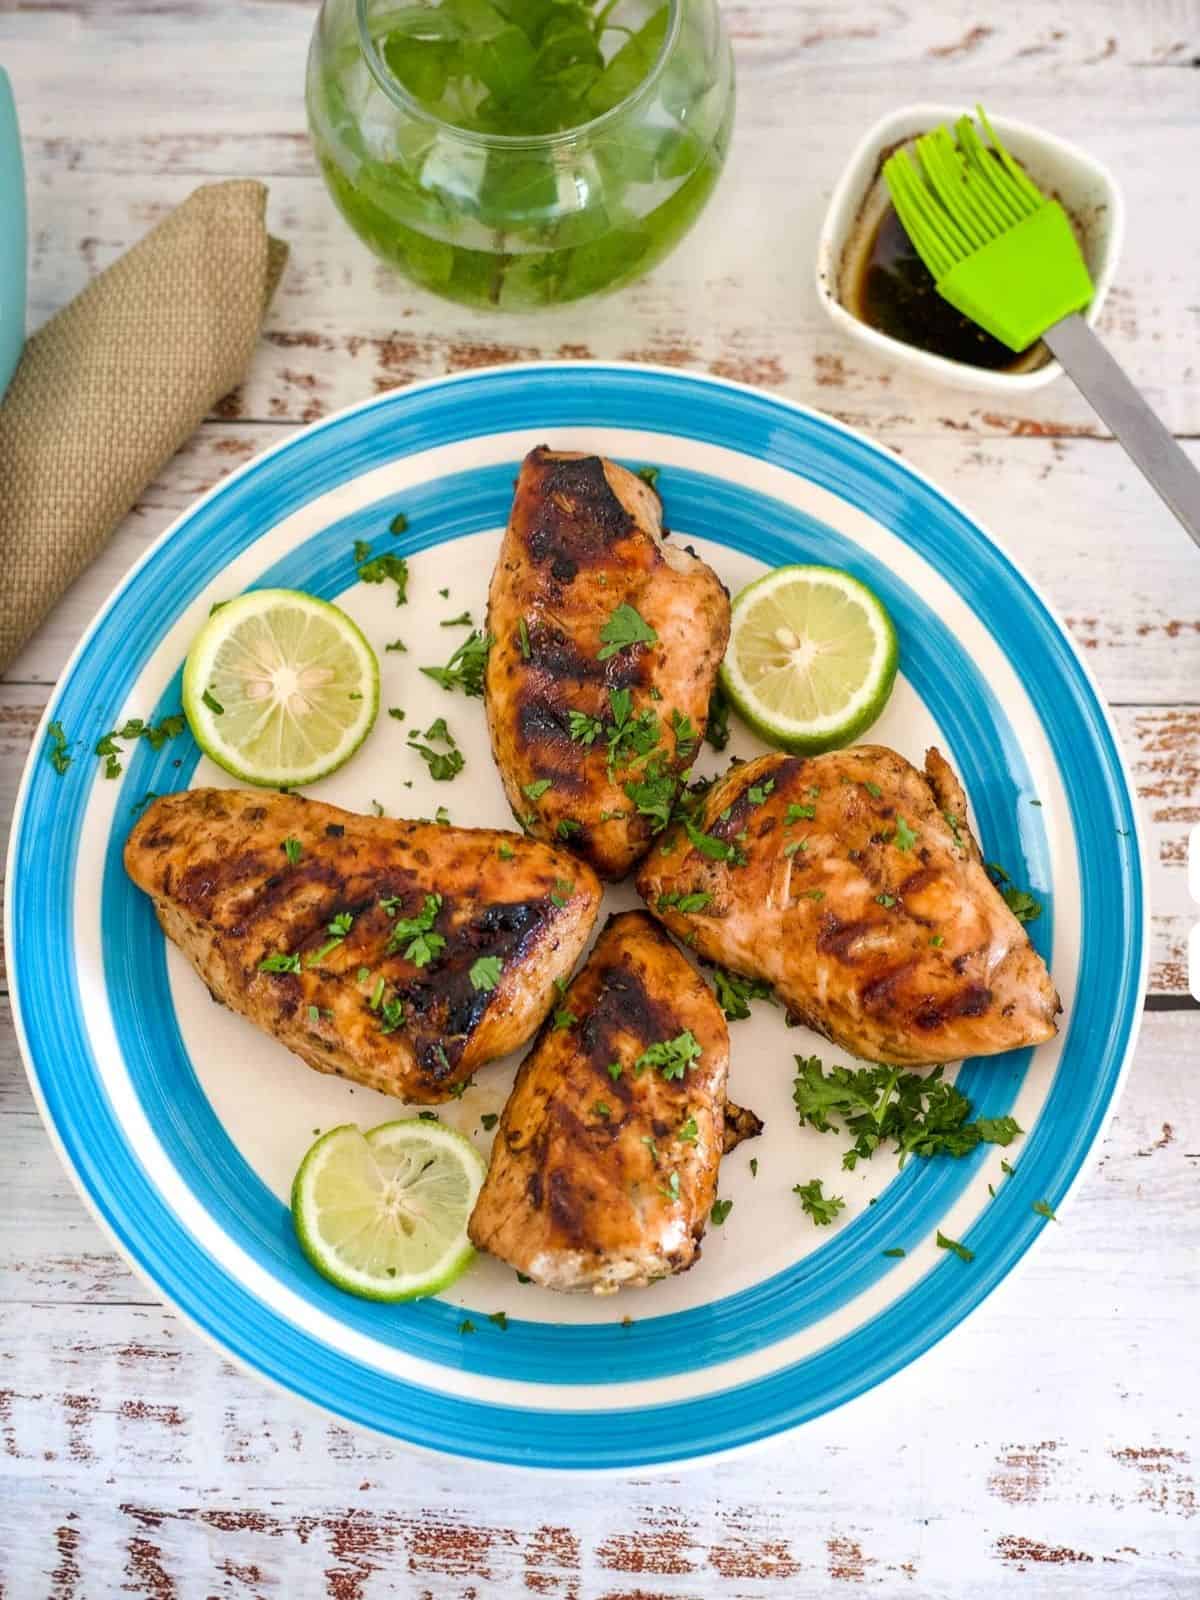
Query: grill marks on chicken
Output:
(584,539)
(851,882)
(600,1181)
(377,925)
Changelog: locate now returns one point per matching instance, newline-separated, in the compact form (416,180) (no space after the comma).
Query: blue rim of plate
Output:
(1110,979)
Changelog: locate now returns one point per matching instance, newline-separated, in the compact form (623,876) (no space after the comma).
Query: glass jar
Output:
(518,219)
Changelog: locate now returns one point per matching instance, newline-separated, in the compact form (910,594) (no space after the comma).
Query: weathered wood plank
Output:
(343,326)
(1076,1472)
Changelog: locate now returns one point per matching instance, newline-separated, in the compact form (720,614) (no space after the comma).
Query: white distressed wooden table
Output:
(1051,1447)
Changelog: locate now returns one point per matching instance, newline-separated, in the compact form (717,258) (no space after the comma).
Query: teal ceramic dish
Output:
(12,236)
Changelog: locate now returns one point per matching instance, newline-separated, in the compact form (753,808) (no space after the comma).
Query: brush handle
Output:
(1116,401)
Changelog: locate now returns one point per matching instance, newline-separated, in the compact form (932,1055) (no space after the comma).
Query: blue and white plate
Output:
(183,1125)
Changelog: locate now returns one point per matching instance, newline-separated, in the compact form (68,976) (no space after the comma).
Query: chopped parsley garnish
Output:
(567,826)
(427,1116)
(754,1166)
(622,631)
(377,569)
(671,1056)
(169,728)
(488,1120)
(506,852)
(535,790)
(629,738)
(465,668)
(363,974)
(937,941)
(758,792)
(1005,1168)
(396,713)
(648,475)
(423,943)
(873,790)
(398,524)
(337,931)
(715,849)
(213,704)
(1023,905)
(292,849)
(445,593)
(141,804)
(670,1190)
(564,1019)
(523,639)
(1044,1209)
(687,737)
(462,620)
(500,1318)
(485,973)
(921,1114)
(651,1145)
(734,993)
(905,837)
(466,1326)
(689,1131)
(392,1014)
(443,764)
(113,768)
(797,813)
(896,1252)
(960,1250)
(134,728)
(653,796)
(886,900)
(796,844)
(397,645)
(563,890)
(813,894)
(685,903)
(716,728)
(952,824)
(602,1109)
(56,752)
(583,728)
(376,999)
(720,1210)
(279,961)
(456,1089)
(822,1208)
(376,808)
(614,1070)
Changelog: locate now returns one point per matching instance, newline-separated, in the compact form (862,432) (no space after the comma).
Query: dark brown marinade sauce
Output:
(897,295)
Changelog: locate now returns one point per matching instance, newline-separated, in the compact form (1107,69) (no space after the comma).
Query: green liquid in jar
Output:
(533,224)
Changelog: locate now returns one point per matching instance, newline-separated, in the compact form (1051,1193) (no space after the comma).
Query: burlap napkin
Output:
(110,388)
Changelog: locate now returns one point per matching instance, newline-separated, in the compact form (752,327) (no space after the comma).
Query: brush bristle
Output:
(963,196)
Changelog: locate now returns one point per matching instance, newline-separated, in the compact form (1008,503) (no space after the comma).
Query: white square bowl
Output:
(1085,187)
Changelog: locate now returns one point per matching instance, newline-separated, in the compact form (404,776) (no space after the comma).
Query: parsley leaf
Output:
(398,524)
(687,737)
(905,837)
(485,973)
(563,1019)
(670,1190)
(653,796)
(465,668)
(397,645)
(292,849)
(56,752)
(377,569)
(423,943)
(614,1070)
(622,631)
(1023,905)
(337,931)
(671,1056)
(535,790)
(213,704)
(648,475)
(684,903)
(797,813)
(689,1131)
(896,1252)
(720,1210)
(1044,1209)
(716,728)
(523,639)
(734,993)
(715,849)
(583,728)
(279,961)
(462,620)
(488,1120)
(822,1208)
(960,1250)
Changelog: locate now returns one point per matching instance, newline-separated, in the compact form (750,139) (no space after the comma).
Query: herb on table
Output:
(921,1114)
(623,630)
(423,943)
(56,751)
(337,931)
(734,993)
(377,569)
(960,1250)
(279,961)
(822,1208)
(671,1056)
(292,849)
(462,620)
(485,973)
(716,728)
(465,668)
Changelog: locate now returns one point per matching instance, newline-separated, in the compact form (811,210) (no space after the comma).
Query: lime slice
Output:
(280,688)
(384,1214)
(811,658)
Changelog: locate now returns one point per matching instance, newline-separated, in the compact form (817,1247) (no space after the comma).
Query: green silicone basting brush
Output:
(1006,257)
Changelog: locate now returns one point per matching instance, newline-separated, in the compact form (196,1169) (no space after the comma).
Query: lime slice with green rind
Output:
(384,1214)
(280,688)
(812,658)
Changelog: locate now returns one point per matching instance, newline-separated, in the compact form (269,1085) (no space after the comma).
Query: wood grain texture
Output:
(1051,1448)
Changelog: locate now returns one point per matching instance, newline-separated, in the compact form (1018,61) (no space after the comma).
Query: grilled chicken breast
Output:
(604,1168)
(589,733)
(400,954)
(853,884)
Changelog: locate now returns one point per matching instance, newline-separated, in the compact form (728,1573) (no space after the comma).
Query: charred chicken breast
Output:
(403,955)
(604,1168)
(852,883)
(606,644)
